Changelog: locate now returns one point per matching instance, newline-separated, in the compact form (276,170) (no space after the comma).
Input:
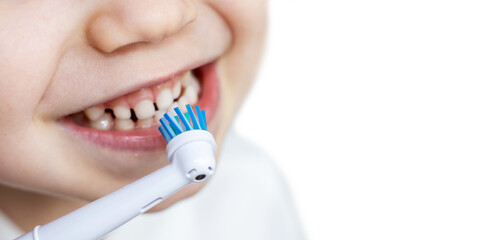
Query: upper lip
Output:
(129,85)
(136,84)
(85,78)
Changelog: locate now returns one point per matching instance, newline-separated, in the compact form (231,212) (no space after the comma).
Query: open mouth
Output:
(142,108)
(130,122)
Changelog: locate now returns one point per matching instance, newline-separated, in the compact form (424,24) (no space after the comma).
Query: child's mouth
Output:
(130,122)
(142,108)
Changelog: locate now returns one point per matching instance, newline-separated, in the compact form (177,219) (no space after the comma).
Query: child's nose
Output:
(119,23)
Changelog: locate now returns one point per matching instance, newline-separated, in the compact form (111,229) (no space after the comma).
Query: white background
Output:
(370,109)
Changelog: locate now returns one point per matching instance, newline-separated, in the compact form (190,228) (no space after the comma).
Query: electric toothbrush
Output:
(190,152)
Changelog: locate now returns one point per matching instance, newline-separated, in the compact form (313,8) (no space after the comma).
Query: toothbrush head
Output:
(190,146)
(173,126)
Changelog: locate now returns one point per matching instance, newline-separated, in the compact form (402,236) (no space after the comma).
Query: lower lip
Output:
(150,139)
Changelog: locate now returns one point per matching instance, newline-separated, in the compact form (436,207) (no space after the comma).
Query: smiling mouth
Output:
(142,108)
(130,122)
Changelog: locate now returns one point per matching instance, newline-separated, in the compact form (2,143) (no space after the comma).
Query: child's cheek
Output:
(32,36)
(248,22)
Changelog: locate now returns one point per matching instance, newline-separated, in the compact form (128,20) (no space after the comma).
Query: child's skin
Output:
(59,57)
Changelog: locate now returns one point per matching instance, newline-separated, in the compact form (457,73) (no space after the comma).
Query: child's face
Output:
(61,57)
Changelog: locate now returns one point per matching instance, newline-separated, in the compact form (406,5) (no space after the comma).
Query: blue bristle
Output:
(198,114)
(180,125)
(171,126)
(167,127)
(193,118)
(173,123)
(202,120)
(203,115)
(164,133)
(187,126)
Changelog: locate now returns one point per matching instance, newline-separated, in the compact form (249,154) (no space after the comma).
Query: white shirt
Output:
(245,199)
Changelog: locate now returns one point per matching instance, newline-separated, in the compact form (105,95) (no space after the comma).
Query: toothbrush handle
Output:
(102,216)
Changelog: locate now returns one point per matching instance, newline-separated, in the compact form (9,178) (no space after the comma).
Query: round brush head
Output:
(190,145)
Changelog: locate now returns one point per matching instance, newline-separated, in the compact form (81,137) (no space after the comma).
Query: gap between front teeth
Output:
(145,113)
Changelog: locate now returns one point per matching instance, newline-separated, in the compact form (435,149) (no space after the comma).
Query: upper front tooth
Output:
(190,80)
(182,102)
(192,94)
(144,109)
(176,90)
(104,122)
(164,99)
(195,84)
(94,113)
(122,112)
(186,78)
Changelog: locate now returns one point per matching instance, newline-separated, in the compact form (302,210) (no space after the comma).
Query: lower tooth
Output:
(145,123)
(124,124)
(104,122)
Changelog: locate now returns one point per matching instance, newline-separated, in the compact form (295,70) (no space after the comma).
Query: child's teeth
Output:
(158,115)
(186,78)
(94,113)
(104,122)
(122,112)
(144,109)
(182,102)
(190,80)
(172,106)
(191,94)
(124,124)
(145,123)
(195,84)
(164,99)
(176,90)
(178,93)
